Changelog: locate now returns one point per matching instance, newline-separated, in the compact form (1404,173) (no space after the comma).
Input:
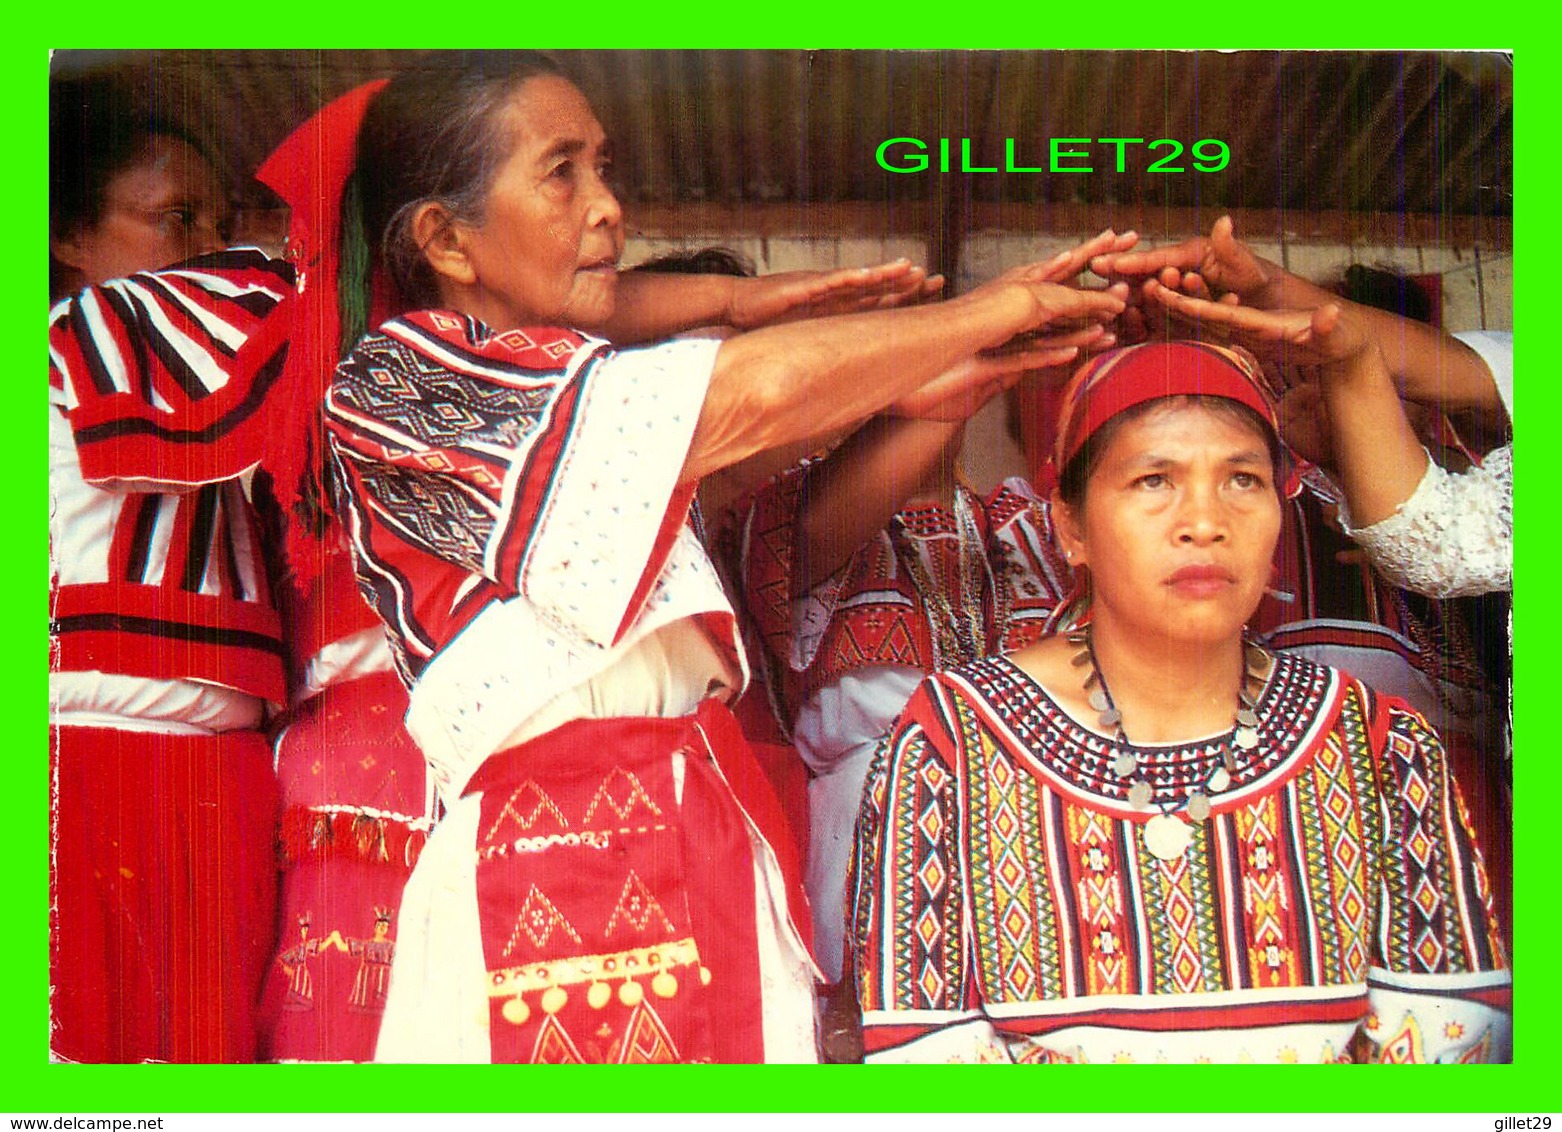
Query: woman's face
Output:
(166,207)
(1178,525)
(552,233)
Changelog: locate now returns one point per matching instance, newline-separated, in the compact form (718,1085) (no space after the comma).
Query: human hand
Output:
(790,295)
(1218,267)
(1329,335)
(958,392)
(1304,423)
(1067,264)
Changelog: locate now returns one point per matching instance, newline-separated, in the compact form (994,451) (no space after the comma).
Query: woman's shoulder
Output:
(241,283)
(442,330)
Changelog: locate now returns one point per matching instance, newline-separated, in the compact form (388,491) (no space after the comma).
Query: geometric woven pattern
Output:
(1071,933)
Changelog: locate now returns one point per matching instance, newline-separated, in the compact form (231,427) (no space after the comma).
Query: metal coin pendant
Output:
(1246,738)
(1098,700)
(1111,717)
(1167,837)
(1198,807)
(1247,717)
(1140,794)
(1125,764)
(1219,780)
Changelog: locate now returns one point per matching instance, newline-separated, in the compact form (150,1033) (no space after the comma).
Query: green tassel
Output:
(354,270)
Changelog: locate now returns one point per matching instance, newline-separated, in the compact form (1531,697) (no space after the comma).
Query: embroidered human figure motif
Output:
(374,965)
(295,964)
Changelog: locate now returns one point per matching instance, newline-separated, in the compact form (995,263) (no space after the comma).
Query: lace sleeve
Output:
(1453,536)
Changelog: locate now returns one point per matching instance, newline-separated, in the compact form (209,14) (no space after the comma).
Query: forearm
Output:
(1435,369)
(1428,366)
(1380,460)
(786,383)
(652,305)
(855,492)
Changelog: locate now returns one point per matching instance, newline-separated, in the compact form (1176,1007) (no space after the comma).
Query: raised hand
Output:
(770,299)
(957,393)
(1215,267)
(1067,264)
(1325,335)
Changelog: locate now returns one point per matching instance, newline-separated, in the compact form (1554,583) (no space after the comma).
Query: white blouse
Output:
(1454,535)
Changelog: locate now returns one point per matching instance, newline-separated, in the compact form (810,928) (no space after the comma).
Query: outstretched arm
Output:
(1380,460)
(785,383)
(1427,530)
(858,488)
(1427,365)
(654,305)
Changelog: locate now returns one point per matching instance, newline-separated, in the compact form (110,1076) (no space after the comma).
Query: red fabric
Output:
(344,869)
(169,420)
(1117,380)
(1487,803)
(164,891)
(782,767)
(168,634)
(325,609)
(618,922)
(309,170)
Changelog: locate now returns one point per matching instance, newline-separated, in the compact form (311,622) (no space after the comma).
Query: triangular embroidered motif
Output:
(525,806)
(646,1040)
(554,1046)
(637,906)
(538,919)
(1407,1047)
(623,793)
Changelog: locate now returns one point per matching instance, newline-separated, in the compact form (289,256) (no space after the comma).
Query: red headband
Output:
(1117,380)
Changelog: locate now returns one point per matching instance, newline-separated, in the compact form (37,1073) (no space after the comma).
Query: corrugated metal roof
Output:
(1311,131)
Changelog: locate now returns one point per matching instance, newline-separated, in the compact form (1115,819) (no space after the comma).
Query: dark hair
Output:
(1388,291)
(100,124)
(706,261)
(1075,477)
(434,134)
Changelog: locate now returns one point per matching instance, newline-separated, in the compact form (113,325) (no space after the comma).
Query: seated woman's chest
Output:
(1066,900)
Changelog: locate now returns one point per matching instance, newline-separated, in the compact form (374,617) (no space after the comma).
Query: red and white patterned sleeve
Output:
(542,462)
(164,376)
(1439,985)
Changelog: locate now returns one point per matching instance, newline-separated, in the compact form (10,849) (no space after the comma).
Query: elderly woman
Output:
(1147,840)
(517,492)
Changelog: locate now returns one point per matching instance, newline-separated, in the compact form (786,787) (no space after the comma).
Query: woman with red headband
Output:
(1144,839)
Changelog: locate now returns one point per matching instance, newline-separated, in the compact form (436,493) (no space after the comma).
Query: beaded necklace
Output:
(1166,835)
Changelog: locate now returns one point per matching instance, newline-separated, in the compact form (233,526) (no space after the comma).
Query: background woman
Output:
(1146,839)
(165,646)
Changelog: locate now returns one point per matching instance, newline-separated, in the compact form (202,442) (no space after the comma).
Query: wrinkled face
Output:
(552,232)
(166,207)
(1178,525)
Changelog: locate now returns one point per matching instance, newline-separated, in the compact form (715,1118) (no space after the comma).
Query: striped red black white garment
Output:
(158,386)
